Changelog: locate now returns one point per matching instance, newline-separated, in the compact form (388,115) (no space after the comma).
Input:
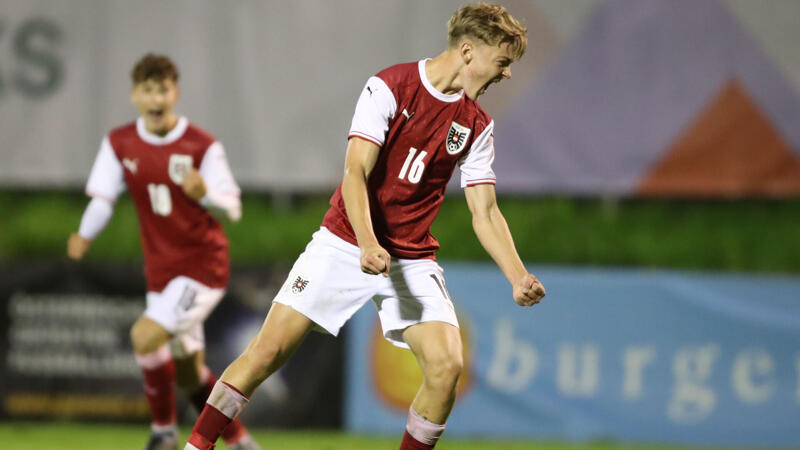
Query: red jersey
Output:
(423,134)
(178,235)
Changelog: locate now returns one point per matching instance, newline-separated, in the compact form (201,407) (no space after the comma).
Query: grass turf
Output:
(89,436)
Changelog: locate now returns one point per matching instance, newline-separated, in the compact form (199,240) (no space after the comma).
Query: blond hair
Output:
(491,24)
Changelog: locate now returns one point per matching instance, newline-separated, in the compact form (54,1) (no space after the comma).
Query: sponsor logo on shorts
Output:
(299,284)
(187,300)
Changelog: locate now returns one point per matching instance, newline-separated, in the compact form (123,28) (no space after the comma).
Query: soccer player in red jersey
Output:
(413,125)
(175,172)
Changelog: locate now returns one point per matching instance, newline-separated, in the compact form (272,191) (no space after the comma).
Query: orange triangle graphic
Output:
(730,150)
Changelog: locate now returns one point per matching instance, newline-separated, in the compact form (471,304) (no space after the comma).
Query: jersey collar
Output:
(450,98)
(154,139)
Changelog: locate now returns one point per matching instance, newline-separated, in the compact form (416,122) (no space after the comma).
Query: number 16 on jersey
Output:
(416,167)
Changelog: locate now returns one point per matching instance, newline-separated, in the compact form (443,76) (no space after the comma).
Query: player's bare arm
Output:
(77,246)
(359,161)
(492,230)
(193,185)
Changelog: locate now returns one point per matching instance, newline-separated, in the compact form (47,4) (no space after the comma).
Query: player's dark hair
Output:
(490,23)
(154,67)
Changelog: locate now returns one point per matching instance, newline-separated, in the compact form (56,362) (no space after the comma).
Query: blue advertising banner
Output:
(630,355)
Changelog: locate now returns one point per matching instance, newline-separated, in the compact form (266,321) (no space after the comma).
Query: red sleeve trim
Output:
(366,137)
(477,182)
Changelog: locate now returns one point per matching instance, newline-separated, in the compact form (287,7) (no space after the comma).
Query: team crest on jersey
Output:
(299,284)
(131,164)
(456,138)
(179,166)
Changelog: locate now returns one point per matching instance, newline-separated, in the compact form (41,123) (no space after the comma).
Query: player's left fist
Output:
(528,291)
(193,185)
(77,246)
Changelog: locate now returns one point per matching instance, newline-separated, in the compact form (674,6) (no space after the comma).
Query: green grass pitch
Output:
(85,436)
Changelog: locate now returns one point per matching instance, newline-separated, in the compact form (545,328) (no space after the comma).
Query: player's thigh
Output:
(414,293)
(147,335)
(326,283)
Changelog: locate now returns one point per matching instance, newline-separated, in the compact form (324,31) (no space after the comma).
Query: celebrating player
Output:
(174,172)
(413,124)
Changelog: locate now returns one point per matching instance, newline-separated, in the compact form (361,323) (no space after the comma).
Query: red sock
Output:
(409,443)
(235,430)
(213,421)
(159,385)
(208,428)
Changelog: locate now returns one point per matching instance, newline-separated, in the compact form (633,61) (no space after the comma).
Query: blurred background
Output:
(648,164)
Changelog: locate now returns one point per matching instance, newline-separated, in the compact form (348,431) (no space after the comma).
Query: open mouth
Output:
(489,83)
(155,114)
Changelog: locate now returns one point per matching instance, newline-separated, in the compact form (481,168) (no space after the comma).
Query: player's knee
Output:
(443,372)
(143,339)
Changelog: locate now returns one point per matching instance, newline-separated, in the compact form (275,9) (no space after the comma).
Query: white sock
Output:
(423,430)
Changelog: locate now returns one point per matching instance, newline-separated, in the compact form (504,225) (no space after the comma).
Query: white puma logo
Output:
(130,164)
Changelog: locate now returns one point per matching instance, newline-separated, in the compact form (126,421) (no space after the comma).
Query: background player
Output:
(173,171)
(414,123)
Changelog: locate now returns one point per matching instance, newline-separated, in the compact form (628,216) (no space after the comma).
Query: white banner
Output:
(277,82)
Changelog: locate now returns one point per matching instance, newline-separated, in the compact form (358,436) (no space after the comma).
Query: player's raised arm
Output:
(106,182)
(359,161)
(492,230)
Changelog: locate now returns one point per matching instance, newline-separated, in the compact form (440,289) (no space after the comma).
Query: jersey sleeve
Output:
(222,190)
(375,108)
(476,166)
(106,179)
(95,218)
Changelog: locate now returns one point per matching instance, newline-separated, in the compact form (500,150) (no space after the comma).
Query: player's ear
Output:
(466,49)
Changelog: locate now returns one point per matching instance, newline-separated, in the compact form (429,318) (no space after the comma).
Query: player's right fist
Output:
(375,260)
(77,246)
(193,185)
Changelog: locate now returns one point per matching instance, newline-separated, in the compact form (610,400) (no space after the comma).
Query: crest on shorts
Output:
(179,166)
(456,138)
(299,284)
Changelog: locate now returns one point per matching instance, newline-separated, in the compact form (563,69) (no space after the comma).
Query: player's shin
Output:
(225,402)
(420,434)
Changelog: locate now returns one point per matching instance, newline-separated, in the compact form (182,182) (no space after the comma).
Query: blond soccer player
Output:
(414,123)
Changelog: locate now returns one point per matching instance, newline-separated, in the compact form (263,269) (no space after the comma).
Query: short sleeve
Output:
(375,107)
(106,179)
(476,166)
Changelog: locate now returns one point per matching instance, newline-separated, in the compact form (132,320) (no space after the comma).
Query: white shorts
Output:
(326,285)
(181,308)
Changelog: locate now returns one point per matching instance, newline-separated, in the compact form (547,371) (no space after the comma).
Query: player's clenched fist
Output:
(375,260)
(77,246)
(193,185)
(528,291)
